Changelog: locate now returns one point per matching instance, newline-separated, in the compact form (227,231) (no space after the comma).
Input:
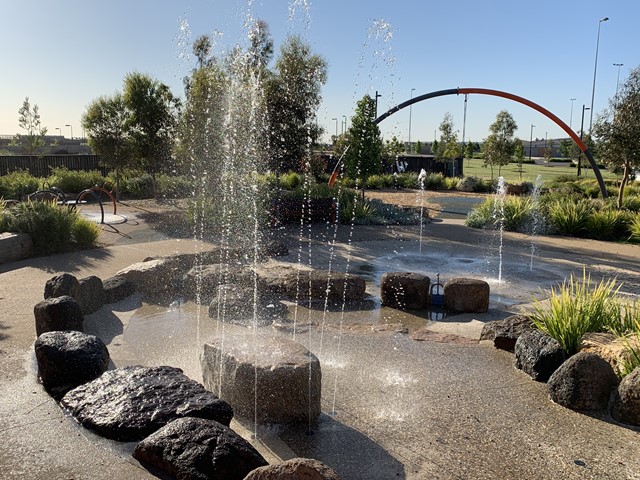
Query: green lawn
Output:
(529,171)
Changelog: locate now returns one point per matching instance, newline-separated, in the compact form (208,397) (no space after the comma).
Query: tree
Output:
(390,150)
(106,124)
(293,97)
(469,150)
(365,144)
(618,131)
(448,148)
(498,147)
(153,115)
(518,154)
(418,148)
(548,152)
(261,45)
(29,120)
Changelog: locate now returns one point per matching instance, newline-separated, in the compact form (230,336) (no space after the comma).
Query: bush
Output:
(451,183)
(607,224)
(138,187)
(174,186)
(576,308)
(634,228)
(17,184)
(517,213)
(378,182)
(482,216)
(72,181)
(570,218)
(434,181)
(84,232)
(290,181)
(408,180)
(469,184)
(48,224)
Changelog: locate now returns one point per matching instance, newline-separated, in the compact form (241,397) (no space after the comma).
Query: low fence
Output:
(41,166)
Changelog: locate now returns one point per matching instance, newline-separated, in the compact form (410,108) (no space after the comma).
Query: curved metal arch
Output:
(515,98)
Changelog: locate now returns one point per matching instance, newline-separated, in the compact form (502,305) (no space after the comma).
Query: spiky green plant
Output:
(577,307)
(517,213)
(570,218)
(84,232)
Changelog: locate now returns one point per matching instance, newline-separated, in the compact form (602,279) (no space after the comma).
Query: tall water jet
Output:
(498,216)
(421,177)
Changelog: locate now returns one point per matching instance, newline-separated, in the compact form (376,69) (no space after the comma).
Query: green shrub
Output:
(570,218)
(517,213)
(631,203)
(138,187)
(634,228)
(378,182)
(451,183)
(74,181)
(174,186)
(290,180)
(434,181)
(576,308)
(408,180)
(48,224)
(17,184)
(482,216)
(4,216)
(468,184)
(84,232)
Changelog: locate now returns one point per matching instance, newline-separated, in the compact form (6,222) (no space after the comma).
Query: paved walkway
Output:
(393,408)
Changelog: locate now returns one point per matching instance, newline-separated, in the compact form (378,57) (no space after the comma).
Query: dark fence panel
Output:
(41,166)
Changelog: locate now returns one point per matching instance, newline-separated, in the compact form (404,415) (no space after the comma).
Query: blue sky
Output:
(65,54)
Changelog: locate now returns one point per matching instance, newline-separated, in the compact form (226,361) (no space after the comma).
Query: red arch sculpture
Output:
(515,98)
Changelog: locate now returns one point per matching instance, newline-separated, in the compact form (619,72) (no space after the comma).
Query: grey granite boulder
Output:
(288,377)
(466,295)
(58,313)
(294,469)
(117,288)
(538,355)
(15,246)
(198,449)
(405,290)
(583,382)
(505,333)
(626,401)
(130,403)
(205,280)
(68,359)
(90,294)
(235,304)
(63,284)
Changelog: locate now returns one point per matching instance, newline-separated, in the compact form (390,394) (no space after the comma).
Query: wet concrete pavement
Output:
(392,407)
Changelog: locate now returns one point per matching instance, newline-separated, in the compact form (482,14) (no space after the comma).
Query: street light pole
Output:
(571,117)
(531,142)
(410,119)
(345,122)
(595,69)
(584,107)
(59,131)
(71,130)
(377,97)
(336,127)
(617,81)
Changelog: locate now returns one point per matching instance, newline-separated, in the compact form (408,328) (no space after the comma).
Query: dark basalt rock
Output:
(117,288)
(584,382)
(68,359)
(130,403)
(90,294)
(505,333)
(64,284)
(538,355)
(294,469)
(58,313)
(626,401)
(199,449)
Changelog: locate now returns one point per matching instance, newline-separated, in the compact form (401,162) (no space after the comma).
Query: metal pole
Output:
(411,97)
(377,97)
(345,122)
(336,127)
(71,130)
(571,117)
(581,137)
(531,142)
(617,81)
(595,69)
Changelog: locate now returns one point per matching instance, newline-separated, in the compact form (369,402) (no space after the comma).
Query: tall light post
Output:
(584,107)
(595,69)
(71,130)
(377,97)
(410,118)
(59,131)
(531,142)
(336,127)
(345,123)
(571,117)
(617,81)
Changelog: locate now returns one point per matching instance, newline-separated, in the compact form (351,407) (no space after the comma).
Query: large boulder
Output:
(294,469)
(287,374)
(538,355)
(117,288)
(60,285)
(205,280)
(15,246)
(583,382)
(610,347)
(626,400)
(505,333)
(68,359)
(235,304)
(157,277)
(320,284)
(90,294)
(58,313)
(466,295)
(405,290)
(127,404)
(198,449)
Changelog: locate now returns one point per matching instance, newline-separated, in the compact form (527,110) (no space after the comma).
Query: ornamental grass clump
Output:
(575,308)
(84,232)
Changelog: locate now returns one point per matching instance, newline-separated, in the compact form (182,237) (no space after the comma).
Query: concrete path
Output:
(393,407)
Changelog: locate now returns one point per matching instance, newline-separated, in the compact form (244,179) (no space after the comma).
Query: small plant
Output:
(17,184)
(84,232)
(517,213)
(48,224)
(290,181)
(408,180)
(576,308)
(74,181)
(570,218)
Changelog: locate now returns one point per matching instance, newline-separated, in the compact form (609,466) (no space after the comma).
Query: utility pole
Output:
(584,107)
